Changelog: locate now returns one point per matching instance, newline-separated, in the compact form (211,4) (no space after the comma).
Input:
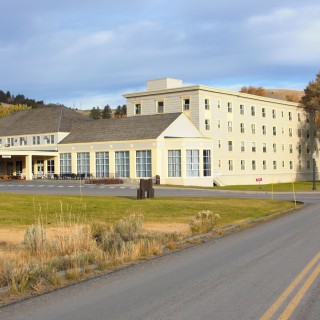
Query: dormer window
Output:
(186,104)
(36,140)
(160,106)
(137,109)
(9,142)
(23,141)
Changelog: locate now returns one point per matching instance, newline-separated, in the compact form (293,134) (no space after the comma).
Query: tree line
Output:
(107,113)
(19,99)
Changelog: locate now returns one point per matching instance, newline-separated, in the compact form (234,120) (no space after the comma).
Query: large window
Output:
(192,162)
(50,166)
(143,163)
(206,163)
(102,164)
(65,163)
(122,162)
(83,163)
(174,163)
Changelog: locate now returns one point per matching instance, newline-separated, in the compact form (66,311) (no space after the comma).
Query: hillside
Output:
(282,94)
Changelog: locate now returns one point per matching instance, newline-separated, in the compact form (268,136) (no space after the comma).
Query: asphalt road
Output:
(240,276)
(71,187)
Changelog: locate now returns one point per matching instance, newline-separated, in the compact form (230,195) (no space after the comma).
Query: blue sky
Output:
(88,53)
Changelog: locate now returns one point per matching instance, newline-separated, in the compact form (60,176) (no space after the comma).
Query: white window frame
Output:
(243,165)
(160,106)
(137,109)
(65,163)
(185,104)
(143,164)
(192,163)
(122,164)
(207,124)
(102,164)
(206,163)
(174,163)
(83,163)
(207,104)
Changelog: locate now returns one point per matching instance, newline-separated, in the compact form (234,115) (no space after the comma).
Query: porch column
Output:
(29,167)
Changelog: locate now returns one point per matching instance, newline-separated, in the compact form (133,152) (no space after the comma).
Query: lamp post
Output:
(314,186)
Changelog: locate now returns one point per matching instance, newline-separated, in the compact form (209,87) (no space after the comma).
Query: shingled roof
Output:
(41,120)
(122,129)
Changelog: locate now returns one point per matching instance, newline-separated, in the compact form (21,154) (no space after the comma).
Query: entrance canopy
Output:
(26,163)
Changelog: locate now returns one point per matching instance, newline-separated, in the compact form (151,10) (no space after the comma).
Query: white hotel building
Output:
(188,135)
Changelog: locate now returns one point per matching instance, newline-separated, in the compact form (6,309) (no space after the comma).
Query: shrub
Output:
(35,239)
(129,228)
(104,181)
(204,222)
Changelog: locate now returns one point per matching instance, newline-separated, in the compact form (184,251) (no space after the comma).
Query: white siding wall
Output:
(220,116)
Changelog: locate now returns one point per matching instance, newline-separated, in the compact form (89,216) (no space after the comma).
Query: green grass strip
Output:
(22,210)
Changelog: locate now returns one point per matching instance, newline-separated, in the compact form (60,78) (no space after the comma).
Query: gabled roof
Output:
(41,120)
(121,129)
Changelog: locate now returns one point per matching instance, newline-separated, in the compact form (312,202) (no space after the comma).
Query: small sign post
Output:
(259,180)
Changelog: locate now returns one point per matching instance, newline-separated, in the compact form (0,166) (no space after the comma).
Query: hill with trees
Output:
(281,94)
(19,99)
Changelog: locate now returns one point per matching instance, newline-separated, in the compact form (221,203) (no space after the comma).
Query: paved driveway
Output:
(72,187)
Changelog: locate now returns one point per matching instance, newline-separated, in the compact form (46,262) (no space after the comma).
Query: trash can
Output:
(157,179)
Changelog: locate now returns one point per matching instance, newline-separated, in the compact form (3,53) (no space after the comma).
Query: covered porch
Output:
(27,165)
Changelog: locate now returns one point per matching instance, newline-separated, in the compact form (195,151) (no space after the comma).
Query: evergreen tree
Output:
(8,94)
(107,112)
(3,97)
(124,111)
(95,113)
(118,112)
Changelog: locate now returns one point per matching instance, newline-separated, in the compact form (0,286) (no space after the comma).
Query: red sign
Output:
(258,179)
